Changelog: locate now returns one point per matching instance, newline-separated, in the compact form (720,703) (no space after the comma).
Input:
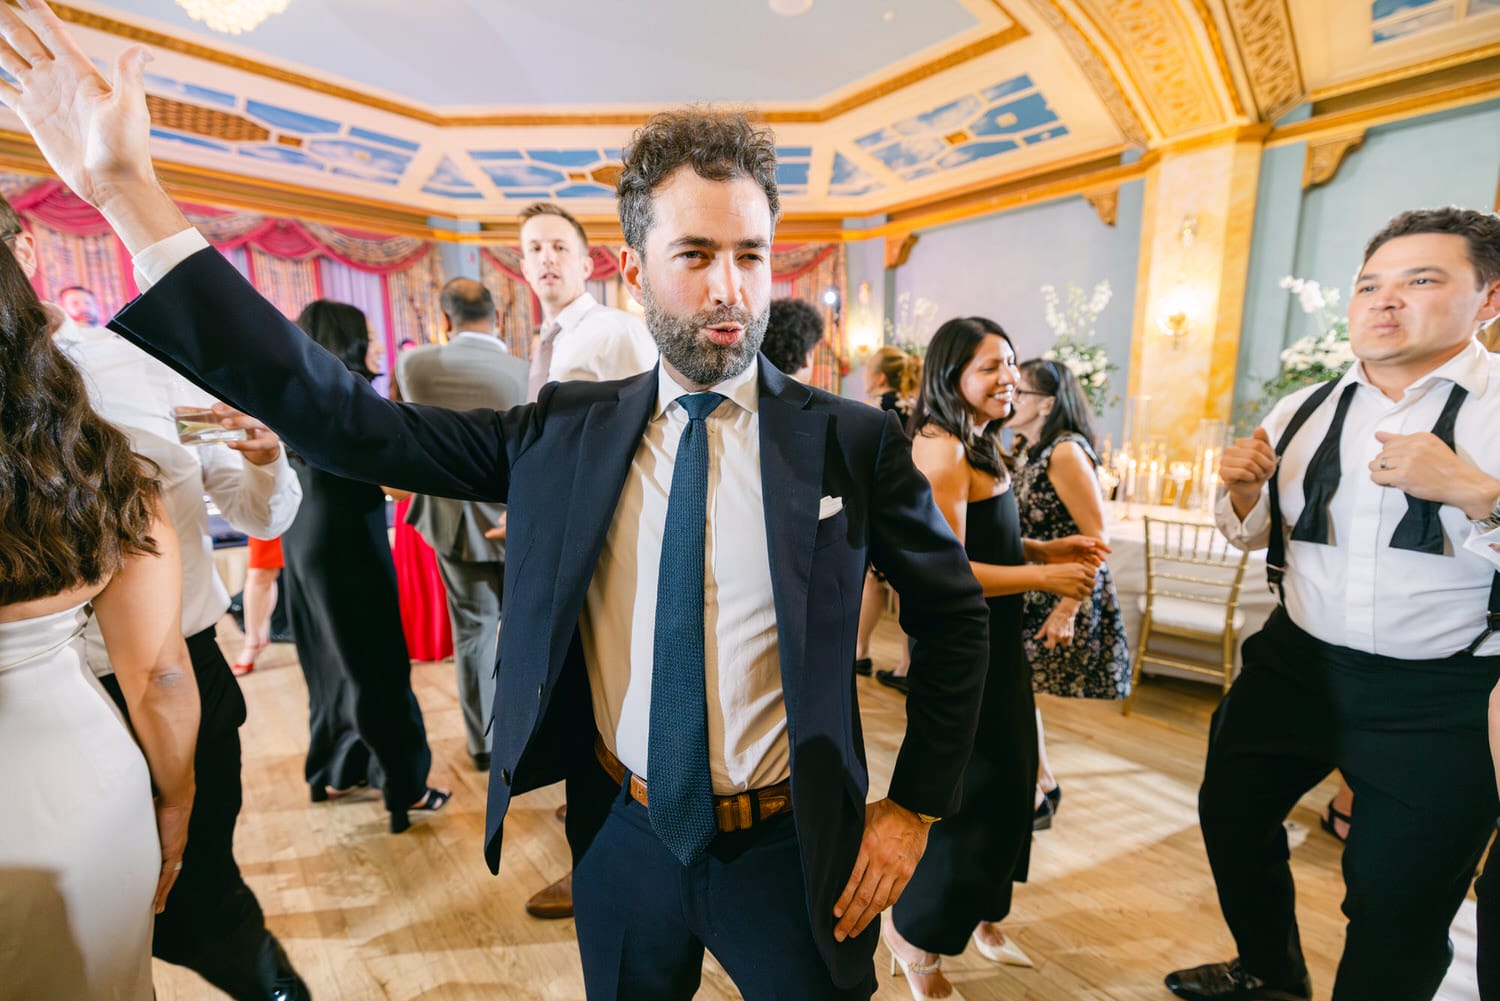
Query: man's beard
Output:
(700,361)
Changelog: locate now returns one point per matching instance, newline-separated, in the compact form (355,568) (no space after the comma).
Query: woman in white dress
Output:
(85,861)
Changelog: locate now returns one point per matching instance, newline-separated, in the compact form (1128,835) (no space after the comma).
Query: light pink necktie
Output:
(541,362)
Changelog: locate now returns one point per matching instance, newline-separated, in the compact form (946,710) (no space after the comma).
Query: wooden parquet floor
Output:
(1119,894)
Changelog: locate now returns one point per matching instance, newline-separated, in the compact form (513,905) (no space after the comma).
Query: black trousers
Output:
(213,925)
(1488,889)
(644,919)
(1410,738)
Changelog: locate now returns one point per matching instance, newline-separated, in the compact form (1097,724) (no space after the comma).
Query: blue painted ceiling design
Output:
(974,127)
(550,173)
(292,138)
(850,180)
(447,181)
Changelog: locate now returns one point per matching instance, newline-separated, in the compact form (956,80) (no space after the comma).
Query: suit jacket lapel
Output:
(609,437)
(792,443)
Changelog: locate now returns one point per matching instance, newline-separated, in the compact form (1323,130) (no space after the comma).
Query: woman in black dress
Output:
(365,722)
(962,887)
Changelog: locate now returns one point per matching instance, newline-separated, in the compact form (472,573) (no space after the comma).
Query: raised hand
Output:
(95,133)
(1245,467)
(1069,580)
(1074,549)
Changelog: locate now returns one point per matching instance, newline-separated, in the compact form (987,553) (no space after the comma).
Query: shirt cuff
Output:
(1242,533)
(156,261)
(1483,543)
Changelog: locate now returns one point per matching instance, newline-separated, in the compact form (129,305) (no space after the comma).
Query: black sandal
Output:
(1329,822)
(432,801)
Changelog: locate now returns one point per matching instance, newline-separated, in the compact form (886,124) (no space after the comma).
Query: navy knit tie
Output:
(680,790)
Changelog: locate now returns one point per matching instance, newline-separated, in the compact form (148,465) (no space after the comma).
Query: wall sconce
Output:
(1174,314)
(863,335)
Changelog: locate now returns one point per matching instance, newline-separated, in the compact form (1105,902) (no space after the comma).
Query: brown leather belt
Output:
(733,813)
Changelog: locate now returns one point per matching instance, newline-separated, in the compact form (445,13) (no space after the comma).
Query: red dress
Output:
(424,602)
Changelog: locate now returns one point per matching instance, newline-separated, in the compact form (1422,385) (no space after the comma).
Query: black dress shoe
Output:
(863,666)
(481,760)
(891,679)
(288,986)
(1230,982)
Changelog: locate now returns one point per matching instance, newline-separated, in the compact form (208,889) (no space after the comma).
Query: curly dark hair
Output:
(75,501)
(1480,230)
(794,330)
(720,146)
(942,405)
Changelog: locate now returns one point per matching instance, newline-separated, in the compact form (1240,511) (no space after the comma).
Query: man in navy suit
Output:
(686,554)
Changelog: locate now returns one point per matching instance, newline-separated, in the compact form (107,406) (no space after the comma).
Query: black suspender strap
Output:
(1276,549)
(1492,620)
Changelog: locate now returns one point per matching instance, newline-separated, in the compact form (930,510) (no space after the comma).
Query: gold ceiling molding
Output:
(1477,54)
(1325,156)
(1268,48)
(1013,32)
(1163,58)
(1383,112)
(1101,78)
(1221,58)
(197,120)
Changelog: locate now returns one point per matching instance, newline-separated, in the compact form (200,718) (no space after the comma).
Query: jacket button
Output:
(539,689)
(505,775)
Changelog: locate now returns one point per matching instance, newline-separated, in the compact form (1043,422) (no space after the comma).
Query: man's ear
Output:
(1488,310)
(587,263)
(632,267)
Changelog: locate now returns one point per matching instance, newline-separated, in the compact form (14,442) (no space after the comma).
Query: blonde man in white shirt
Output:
(212,923)
(580,339)
(1379,497)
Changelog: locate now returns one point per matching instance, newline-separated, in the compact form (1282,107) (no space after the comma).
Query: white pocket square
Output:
(829,506)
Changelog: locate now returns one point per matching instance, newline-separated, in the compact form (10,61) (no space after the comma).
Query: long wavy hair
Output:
(75,501)
(942,405)
(340,328)
(1070,408)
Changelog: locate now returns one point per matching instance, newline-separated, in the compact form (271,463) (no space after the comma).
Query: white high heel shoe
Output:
(914,970)
(1006,953)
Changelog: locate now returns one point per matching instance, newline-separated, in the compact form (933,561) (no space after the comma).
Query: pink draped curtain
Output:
(394,280)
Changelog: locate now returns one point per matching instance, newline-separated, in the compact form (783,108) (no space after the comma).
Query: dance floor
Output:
(1119,894)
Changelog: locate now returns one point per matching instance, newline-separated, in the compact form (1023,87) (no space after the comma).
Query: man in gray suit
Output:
(474,369)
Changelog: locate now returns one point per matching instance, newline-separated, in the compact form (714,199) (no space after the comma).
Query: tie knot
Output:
(700,405)
(549,332)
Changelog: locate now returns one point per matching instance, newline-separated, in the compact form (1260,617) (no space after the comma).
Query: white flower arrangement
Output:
(1073,320)
(913,325)
(1315,358)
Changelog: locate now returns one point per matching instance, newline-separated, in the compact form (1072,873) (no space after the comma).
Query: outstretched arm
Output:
(201,317)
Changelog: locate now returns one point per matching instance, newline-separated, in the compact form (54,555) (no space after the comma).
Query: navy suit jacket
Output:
(560,464)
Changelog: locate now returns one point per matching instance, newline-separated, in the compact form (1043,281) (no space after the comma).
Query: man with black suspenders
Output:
(1379,497)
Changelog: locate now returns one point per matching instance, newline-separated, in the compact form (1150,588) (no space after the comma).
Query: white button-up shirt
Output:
(597,343)
(747,738)
(136,393)
(1360,593)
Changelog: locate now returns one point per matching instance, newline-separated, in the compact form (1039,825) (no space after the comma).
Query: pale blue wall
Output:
(995,266)
(1447,159)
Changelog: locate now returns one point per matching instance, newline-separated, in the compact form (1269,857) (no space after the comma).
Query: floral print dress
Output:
(1097,663)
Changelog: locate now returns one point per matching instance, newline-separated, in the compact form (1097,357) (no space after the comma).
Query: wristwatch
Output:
(1490,522)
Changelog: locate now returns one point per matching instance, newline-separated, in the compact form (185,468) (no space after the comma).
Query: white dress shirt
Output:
(598,343)
(1360,593)
(747,738)
(136,393)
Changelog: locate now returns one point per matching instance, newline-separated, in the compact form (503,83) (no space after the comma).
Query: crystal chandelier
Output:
(230,17)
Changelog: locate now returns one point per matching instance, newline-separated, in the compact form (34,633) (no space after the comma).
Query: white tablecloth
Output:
(1127,537)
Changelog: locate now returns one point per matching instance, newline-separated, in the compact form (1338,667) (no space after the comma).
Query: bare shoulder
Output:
(938,454)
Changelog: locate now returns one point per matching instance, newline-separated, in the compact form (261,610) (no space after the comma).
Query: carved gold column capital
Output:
(1325,156)
(1106,203)
(898,247)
